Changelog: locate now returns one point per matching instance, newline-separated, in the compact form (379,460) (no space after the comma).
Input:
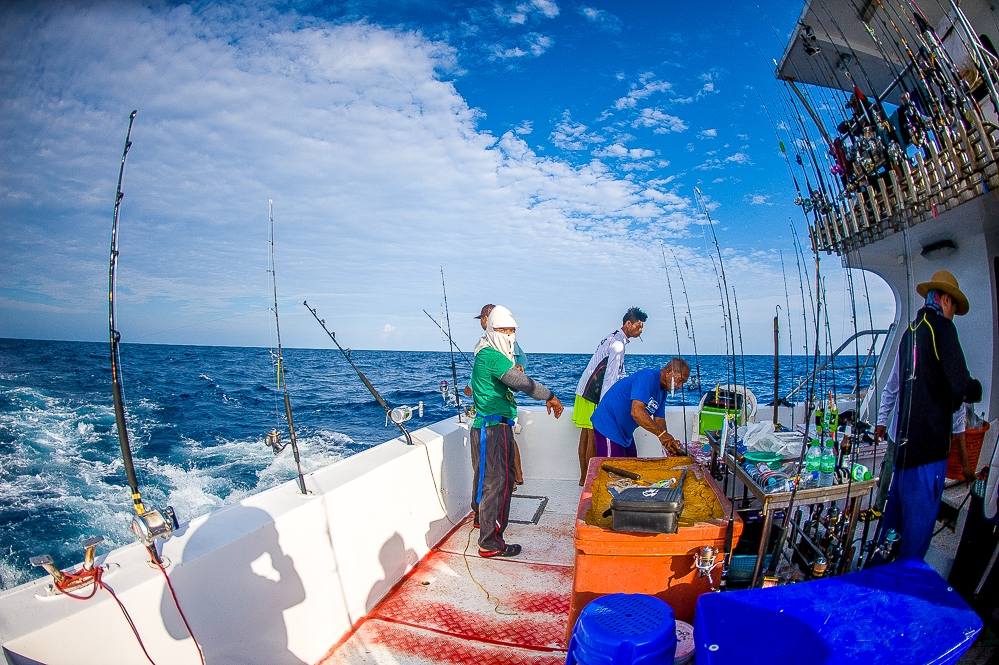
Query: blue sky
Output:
(539,150)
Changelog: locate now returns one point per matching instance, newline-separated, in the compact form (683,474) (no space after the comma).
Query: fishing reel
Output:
(449,396)
(273,439)
(706,560)
(404,413)
(155,525)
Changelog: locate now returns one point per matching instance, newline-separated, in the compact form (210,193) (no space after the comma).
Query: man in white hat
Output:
(494,380)
(929,382)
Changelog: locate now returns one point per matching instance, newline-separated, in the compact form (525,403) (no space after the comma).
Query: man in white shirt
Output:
(606,367)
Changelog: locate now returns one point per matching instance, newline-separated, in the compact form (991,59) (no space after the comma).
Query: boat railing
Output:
(950,169)
(870,356)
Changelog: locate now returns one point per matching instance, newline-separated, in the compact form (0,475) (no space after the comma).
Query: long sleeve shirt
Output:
(609,358)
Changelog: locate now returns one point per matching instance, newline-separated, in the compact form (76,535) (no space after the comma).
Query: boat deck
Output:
(456,607)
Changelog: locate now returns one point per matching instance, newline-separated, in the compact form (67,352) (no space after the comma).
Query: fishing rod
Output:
(454,369)
(721,266)
(148,524)
(809,408)
(689,323)
(742,358)
(453,344)
(676,331)
(790,339)
(398,415)
(776,366)
(274,436)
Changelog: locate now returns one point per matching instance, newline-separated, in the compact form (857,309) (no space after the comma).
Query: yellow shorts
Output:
(582,409)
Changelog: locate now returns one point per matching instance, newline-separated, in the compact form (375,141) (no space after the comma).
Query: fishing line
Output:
(676,331)
(689,321)
(454,370)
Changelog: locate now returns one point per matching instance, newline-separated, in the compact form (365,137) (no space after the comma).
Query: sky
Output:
(544,153)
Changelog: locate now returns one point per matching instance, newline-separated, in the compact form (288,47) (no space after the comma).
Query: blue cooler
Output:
(899,613)
(623,629)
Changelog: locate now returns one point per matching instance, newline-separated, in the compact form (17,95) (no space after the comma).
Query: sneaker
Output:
(508,551)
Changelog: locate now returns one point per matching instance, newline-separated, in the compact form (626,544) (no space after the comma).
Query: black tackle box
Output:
(648,509)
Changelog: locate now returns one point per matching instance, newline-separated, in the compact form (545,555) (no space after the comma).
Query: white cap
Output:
(501,317)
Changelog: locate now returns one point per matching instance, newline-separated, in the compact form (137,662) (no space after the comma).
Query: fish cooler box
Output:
(648,509)
(714,410)
(660,564)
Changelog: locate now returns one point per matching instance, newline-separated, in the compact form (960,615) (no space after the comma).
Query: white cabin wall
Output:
(974,228)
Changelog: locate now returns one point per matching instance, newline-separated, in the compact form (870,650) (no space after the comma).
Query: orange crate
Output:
(973,440)
(662,565)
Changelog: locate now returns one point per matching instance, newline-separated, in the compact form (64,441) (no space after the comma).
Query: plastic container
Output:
(662,565)
(827,464)
(623,629)
(973,438)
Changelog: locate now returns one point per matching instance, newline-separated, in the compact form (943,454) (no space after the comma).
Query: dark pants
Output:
(913,503)
(492,482)
(604,447)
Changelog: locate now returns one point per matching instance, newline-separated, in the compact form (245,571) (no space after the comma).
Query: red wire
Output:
(95,574)
(176,602)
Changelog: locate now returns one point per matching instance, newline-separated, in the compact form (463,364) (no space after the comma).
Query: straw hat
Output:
(944,281)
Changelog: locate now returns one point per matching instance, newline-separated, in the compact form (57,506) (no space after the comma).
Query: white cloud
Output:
(758,199)
(524,128)
(533,44)
(388,329)
(521,12)
(738,158)
(708,133)
(619,151)
(571,135)
(646,88)
(601,17)
(659,122)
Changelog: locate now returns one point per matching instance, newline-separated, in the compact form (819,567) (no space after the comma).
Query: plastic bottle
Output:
(827,463)
(813,457)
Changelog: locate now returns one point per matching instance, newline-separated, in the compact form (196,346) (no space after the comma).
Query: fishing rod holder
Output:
(155,525)
(69,580)
(400,414)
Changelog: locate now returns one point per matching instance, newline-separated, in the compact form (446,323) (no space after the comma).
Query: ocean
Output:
(197,417)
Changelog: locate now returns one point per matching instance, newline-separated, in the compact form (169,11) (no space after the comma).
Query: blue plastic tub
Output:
(623,629)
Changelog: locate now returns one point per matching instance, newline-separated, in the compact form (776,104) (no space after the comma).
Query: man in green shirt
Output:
(494,379)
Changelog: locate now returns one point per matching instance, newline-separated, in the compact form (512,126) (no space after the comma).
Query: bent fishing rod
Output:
(689,323)
(389,411)
(274,437)
(148,524)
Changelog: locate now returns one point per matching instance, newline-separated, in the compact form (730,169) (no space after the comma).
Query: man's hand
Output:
(554,406)
(670,444)
(468,391)
(880,433)
(969,474)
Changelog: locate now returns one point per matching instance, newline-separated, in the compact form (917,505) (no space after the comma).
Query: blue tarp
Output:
(903,612)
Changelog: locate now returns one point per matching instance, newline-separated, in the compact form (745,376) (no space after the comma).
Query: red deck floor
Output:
(456,607)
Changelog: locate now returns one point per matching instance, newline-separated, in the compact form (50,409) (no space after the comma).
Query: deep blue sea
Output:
(197,417)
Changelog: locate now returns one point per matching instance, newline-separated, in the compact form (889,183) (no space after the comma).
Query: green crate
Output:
(711,418)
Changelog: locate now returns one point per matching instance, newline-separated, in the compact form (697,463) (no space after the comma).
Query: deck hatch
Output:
(527,508)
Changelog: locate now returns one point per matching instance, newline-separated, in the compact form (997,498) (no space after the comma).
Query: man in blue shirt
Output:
(636,401)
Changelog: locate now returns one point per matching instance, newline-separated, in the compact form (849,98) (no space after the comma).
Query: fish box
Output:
(659,564)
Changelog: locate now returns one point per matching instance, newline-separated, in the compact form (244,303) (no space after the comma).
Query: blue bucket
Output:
(623,629)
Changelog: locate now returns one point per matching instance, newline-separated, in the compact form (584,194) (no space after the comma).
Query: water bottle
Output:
(813,457)
(859,472)
(827,464)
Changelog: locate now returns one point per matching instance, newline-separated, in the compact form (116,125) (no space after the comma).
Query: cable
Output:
(176,602)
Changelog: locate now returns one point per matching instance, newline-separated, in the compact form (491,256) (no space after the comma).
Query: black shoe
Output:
(508,551)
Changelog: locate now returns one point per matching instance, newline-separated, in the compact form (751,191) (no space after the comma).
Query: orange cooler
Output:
(662,565)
